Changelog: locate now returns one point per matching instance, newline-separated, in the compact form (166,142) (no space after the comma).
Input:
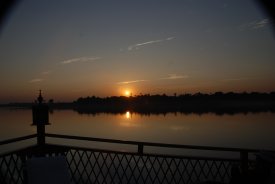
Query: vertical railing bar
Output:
(140,148)
(244,162)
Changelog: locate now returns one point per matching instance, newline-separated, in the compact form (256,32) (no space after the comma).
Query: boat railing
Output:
(88,164)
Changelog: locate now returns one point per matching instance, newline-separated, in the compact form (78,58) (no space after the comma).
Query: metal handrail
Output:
(13,140)
(144,154)
(243,152)
(138,143)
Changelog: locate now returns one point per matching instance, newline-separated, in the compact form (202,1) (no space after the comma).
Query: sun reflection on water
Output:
(128,120)
(128,115)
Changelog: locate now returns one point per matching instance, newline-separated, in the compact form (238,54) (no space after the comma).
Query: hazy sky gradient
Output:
(72,48)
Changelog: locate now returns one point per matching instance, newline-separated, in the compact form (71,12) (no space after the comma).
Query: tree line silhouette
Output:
(219,103)
(146,104)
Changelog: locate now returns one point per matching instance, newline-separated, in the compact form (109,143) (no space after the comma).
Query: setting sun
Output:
(127,93)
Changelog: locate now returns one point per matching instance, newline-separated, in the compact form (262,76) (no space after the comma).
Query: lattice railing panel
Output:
(11,169)
(93,166)
(114,167)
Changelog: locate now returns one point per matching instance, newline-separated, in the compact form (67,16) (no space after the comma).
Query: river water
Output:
(239,130)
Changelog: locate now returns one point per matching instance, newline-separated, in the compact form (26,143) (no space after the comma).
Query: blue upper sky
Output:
(72,48)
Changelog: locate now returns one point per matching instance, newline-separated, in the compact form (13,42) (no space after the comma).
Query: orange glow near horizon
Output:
(127,93)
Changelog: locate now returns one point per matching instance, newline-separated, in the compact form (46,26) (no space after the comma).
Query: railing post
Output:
(140,148)
(244,162)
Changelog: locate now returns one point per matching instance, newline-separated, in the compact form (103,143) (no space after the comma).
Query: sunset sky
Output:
(74,48)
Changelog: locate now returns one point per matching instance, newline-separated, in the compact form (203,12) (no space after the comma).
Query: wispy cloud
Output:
(137,45)
(257,24)
(170,38)
(237,79)
(36,80)
(130,82)
(170,77)
(80,59)
(46,72)
(260,24)
(174,76)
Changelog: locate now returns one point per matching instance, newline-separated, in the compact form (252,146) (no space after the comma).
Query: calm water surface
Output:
(239,130)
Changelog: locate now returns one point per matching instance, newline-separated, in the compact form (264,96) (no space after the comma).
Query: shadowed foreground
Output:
(90,165)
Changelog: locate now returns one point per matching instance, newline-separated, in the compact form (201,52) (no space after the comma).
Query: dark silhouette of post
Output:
(40,117)
(140,148)
(244,162)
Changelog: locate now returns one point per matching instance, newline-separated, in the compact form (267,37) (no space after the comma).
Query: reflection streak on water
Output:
(127,120)
(128,115)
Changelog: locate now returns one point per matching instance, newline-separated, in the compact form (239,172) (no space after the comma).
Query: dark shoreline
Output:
(185,109)
(218,103)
